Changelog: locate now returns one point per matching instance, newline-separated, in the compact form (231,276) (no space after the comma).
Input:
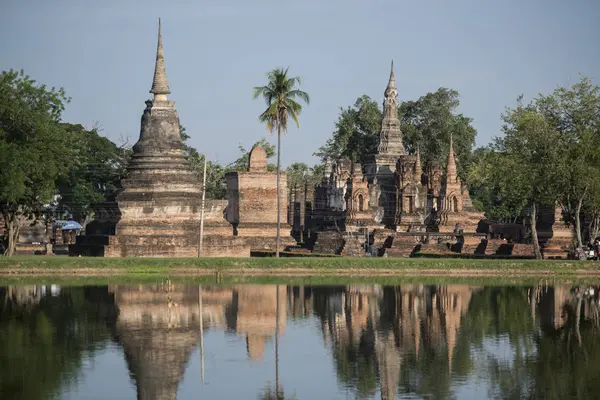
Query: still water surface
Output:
(320,342)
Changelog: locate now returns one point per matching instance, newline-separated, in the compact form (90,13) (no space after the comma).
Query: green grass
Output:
(323,271)
(319,265)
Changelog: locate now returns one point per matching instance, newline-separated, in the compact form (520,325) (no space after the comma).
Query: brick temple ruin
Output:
(395,197)
(158,210)
(400,205)
(395,205)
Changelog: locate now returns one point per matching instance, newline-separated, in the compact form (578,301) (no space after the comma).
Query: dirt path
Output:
(301,272)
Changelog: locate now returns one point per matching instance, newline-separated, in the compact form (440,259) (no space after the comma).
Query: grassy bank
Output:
(314,280)
(348,266)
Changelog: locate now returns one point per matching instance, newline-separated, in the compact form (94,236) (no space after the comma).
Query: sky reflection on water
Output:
(356,341)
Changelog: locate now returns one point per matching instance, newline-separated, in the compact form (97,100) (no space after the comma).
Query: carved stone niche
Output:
(434,178)
(405,170)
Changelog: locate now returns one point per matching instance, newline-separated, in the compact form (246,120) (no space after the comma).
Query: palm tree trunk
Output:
(278,195)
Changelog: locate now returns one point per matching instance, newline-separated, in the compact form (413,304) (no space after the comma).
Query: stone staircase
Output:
(354,244)
(328,242)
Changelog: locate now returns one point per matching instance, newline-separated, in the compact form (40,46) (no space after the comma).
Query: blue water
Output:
(334,342)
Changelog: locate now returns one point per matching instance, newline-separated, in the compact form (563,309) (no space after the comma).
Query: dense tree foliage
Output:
(574,112)
(35,149)
(429,122)
(300,174)
(548,154)
(529,161)
(98,165)
(356,133)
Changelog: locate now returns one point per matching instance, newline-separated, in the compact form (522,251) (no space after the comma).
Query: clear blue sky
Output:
(102,53)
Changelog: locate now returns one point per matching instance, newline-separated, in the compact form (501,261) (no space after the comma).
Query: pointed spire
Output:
(418,168)
(451,167)
(160,86)
(392,81)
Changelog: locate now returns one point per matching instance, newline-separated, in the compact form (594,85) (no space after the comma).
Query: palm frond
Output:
(294,116)
(299,94)
(281,94)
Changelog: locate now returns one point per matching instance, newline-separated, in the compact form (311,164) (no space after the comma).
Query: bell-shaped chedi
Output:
(158,208)
(160,201)
(158,328)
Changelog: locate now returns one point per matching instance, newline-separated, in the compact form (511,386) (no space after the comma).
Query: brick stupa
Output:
(380,172)
(158,208)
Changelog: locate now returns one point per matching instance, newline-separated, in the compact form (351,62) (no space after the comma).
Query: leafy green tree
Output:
(428,123)
(356,134)
(499,195)
(34,149)
(300,174)
(281,95)
(98,165)
(297,175)
(530,161)
(216,187)
(575,113)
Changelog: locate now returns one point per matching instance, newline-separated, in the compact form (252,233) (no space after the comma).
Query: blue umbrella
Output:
(71,225)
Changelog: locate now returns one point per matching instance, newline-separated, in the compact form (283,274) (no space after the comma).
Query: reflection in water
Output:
(158,328)
(438,341)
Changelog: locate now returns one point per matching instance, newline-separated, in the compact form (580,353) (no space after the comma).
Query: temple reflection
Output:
(385,341)
(158,328)
(252,313)
(410,331)
(392,325)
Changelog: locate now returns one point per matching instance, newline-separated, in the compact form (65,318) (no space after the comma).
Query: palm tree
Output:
(280,94)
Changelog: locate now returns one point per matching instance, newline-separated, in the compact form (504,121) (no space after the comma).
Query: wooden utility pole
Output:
(202,211)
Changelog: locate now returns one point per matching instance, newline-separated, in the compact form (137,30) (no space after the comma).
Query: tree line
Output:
(548,154)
